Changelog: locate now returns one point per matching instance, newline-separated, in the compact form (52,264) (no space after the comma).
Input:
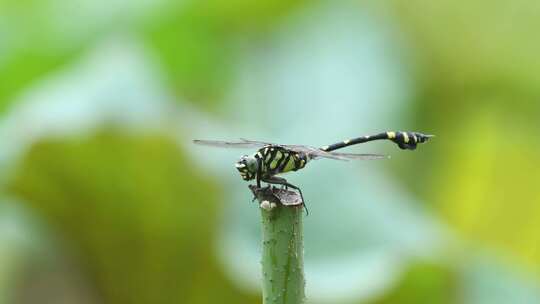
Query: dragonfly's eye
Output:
(244,168)
(251,163)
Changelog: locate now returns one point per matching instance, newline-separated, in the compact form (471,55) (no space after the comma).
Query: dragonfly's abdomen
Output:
(405,140)
(278,160)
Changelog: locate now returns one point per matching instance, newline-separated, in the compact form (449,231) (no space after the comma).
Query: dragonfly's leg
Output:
(259,172)
(259,189)
(281,181)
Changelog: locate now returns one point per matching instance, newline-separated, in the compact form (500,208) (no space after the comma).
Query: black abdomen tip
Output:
(409,140)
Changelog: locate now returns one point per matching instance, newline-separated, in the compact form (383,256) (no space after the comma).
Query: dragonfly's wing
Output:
(360,156)
(313,153)
(256,142)
(310,152)
(242,144)
(319,153)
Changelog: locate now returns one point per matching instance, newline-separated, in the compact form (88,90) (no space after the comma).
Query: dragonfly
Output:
(272,159)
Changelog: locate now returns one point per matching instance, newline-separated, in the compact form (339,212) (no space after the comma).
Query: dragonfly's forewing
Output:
(242,144)
(258,143)
(309,151)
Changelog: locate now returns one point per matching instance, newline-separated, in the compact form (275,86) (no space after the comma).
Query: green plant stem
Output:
(283,255)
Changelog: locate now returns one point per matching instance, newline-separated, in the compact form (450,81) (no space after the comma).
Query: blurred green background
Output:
(105,199)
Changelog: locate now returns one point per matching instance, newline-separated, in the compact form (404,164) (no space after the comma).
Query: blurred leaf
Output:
(139,217)
(479,93)
(487,184)
(423,283)
(29,47)
(198,41)
(196,55)
(491,44)
(246,15)
(26,67)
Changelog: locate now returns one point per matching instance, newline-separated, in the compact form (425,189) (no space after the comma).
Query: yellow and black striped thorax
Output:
(277,159)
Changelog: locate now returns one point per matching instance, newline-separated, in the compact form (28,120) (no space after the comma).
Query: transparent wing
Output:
(256,142)
(309,151)
(314,153)
(360,156)
(242,144)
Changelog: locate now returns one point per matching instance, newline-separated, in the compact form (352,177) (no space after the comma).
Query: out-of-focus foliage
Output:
(194,39)
(135,213)
(481,91)
(128,215)
(424,283)
(476,46)
(489,178)
(197,40)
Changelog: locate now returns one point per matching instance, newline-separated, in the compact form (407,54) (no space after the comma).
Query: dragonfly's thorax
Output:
(278,159)
(273,160)
(247,166)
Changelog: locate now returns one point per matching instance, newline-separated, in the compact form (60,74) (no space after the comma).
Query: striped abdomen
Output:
(276,160)
(405,140)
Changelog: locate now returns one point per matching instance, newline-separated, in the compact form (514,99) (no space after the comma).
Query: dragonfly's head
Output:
(247,166)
